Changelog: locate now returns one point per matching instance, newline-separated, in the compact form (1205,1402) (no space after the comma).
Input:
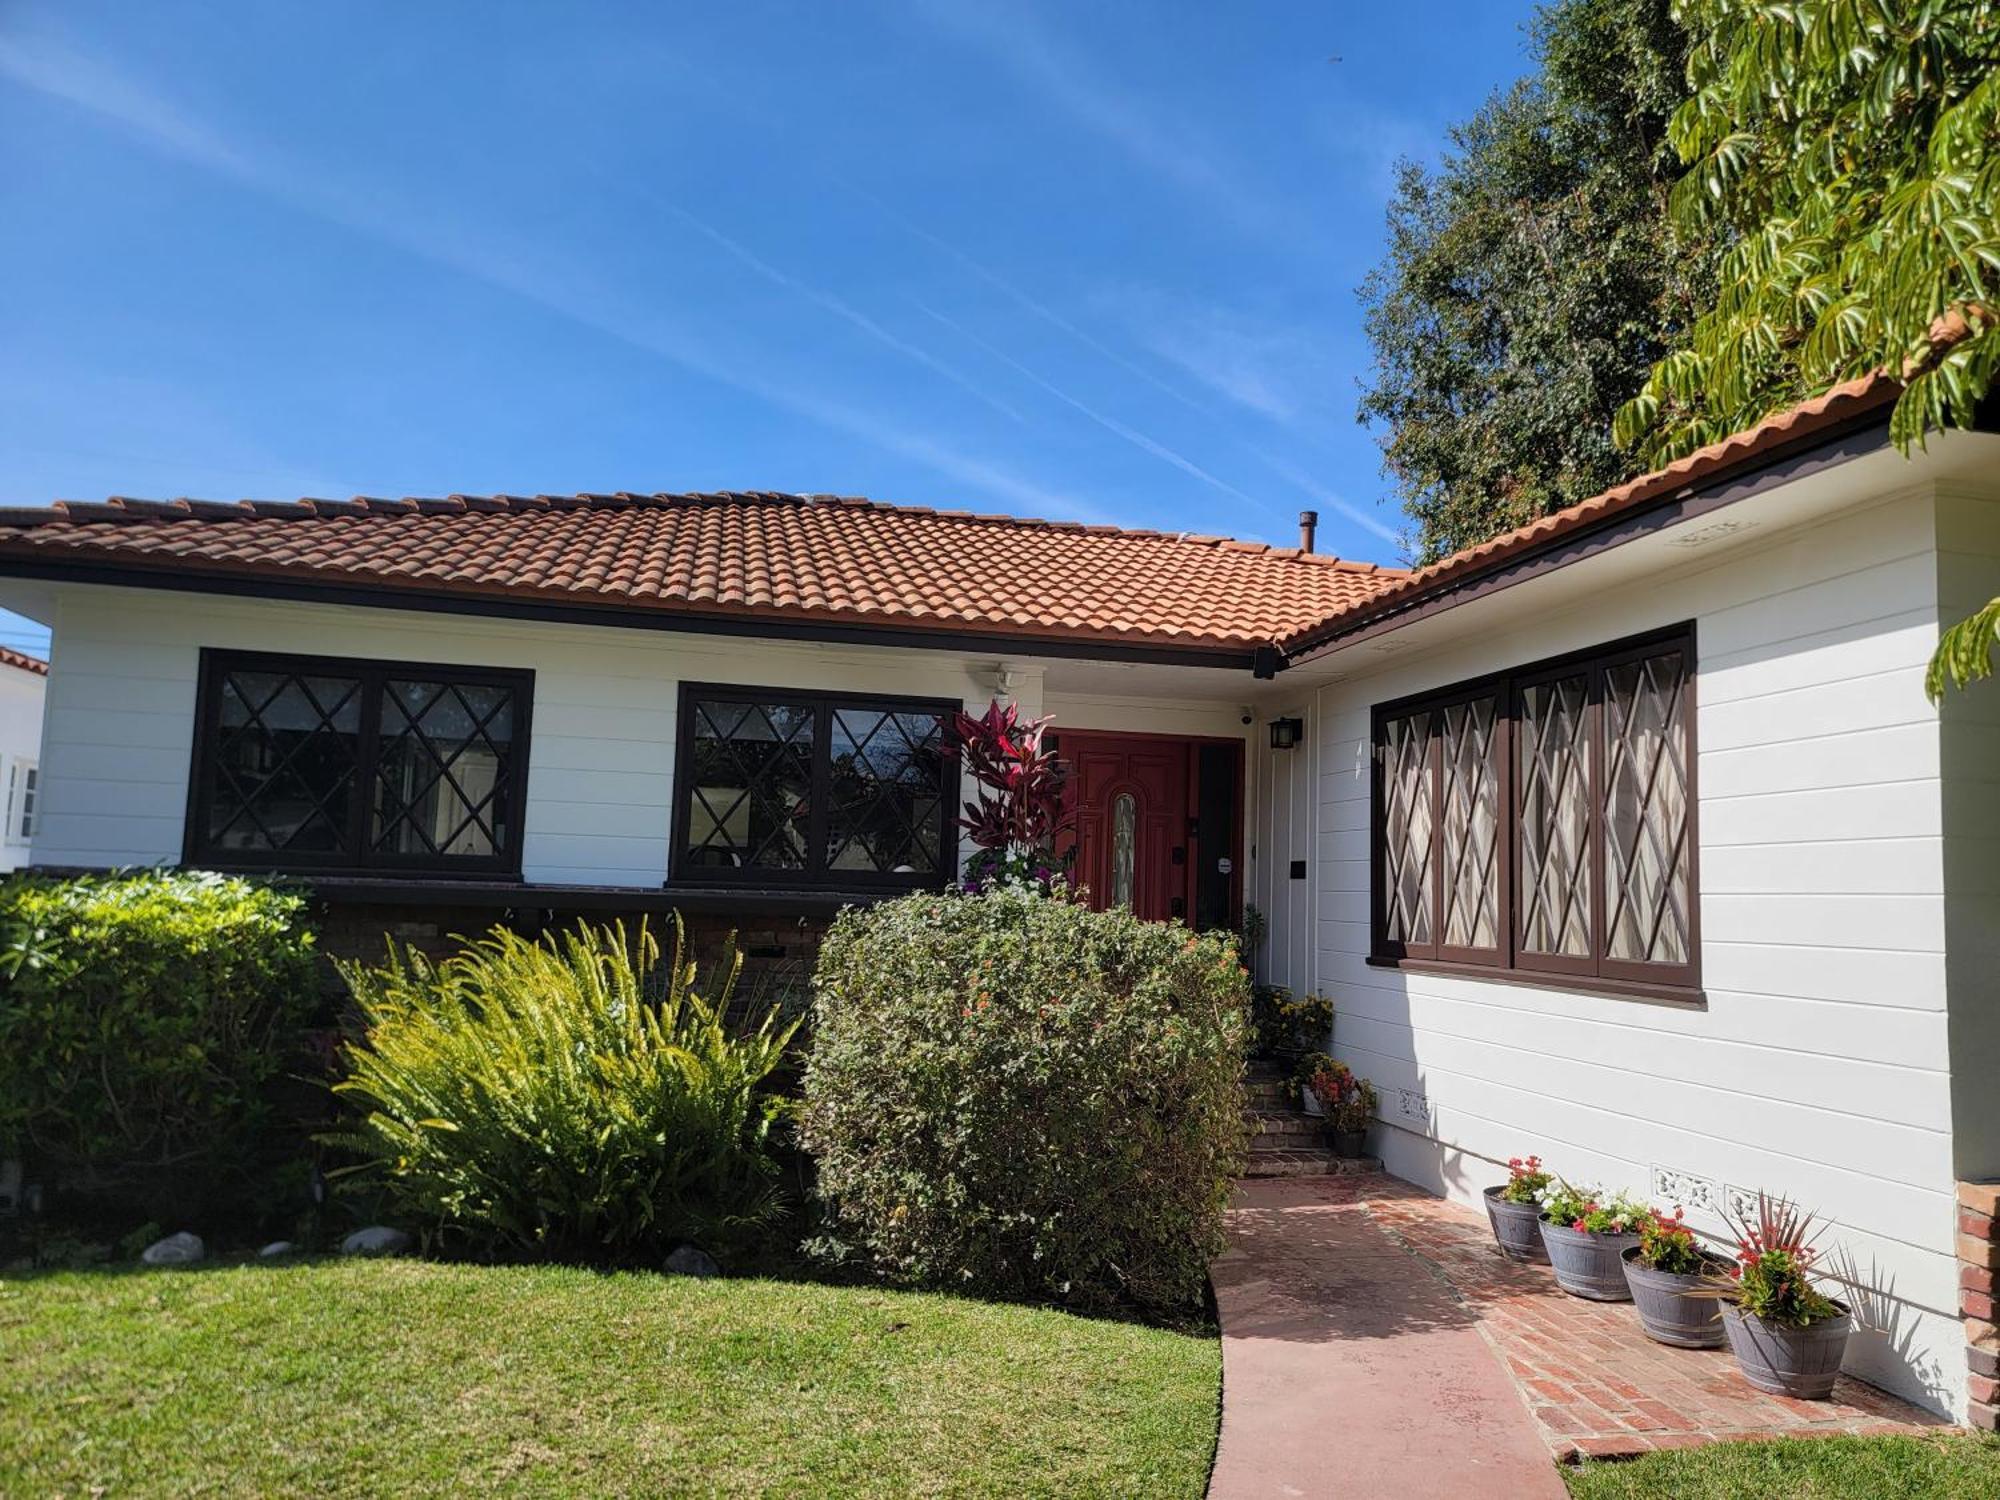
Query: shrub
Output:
(1017,1095)
(144,1020)
(539,1099)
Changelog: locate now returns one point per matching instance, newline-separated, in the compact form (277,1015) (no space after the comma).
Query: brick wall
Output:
(1978,1258)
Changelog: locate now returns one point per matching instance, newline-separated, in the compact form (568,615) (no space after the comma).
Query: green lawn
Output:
(403,1377)
(1906,1468)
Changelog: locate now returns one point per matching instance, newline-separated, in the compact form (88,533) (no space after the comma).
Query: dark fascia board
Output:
(1858,438)
(1241,659)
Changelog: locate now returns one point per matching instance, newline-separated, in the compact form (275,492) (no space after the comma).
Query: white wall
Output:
(1968,564)
(20,744)
(1820,1065)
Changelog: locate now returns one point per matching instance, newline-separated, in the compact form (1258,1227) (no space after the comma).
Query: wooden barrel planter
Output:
(1666,1312)
(1517,1227)
(1787,1360)
(1589,1265)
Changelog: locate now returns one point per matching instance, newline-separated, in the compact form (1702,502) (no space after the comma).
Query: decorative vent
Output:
(1715,531)
(1674,1189)
(1741,1202)
(1413,1106)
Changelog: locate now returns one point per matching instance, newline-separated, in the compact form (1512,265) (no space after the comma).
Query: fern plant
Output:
(568,1098)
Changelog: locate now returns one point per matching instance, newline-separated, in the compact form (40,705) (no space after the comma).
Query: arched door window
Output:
(1124,844)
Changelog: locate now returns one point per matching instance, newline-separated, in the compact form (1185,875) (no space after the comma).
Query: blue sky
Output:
(1090,261)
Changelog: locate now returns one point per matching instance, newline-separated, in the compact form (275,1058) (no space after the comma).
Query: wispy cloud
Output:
(1292,474)
(1269,367)
(426,231)
(1110,424)
(1013,36)
(826,300)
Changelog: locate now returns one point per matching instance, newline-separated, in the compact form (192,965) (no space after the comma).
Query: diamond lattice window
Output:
(315,763)
(813,789)
(1541,820)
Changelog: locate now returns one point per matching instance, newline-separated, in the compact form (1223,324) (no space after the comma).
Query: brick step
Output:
(1286,1124)
(1267,1095)
(1319,1162)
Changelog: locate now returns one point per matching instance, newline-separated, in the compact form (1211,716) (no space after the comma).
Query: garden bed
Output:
(405,1377)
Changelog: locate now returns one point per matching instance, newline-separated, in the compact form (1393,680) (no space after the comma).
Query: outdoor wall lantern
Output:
(1285,733)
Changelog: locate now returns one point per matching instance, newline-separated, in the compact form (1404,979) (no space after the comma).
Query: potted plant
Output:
(1353,1109)
(1316,1079)
(1514,1209)
(1788,1337)
(1667,1271)
(1586,1231)
(1289,1026)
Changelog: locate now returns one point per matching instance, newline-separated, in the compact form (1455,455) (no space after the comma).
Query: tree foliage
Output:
(1533,279)
(1848,151)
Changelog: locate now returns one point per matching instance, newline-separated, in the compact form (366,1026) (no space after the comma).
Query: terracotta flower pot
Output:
(1786,1360)
(1517,1227)
(1667,1314)
(1589,1265)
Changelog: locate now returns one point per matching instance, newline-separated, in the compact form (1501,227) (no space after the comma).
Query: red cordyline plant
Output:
(1019,810)
(1774,1256)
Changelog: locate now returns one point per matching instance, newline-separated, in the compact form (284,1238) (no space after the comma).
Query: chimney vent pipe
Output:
(1308,524)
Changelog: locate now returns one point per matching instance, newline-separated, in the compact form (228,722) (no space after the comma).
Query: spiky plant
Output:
(569,1098)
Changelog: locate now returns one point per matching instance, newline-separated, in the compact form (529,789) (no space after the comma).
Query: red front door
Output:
(1133,800)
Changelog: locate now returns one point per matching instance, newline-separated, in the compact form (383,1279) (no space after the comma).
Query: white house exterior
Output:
(23,679)
(1810,1008)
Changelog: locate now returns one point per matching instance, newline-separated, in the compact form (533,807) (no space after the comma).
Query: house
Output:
(1628,838)
(23,679)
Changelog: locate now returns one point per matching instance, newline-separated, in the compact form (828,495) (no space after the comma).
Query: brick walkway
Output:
(1593,1381)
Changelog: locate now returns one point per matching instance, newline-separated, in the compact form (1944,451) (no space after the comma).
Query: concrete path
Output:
(1350,1368)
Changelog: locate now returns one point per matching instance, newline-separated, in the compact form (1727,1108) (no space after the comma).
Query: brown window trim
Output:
(823,703)
(1687,997)
(372,672)
(1597,973)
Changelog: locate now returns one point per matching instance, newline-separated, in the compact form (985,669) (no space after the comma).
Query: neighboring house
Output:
(23,679)
(1628,838)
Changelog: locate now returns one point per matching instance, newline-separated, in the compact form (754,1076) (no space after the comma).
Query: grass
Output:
(1834,1468)
(405,1377)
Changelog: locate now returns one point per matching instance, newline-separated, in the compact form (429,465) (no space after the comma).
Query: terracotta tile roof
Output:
(1786,429)
(12,658)
(738,555)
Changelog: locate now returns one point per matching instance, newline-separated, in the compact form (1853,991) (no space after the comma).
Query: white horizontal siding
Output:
(120,717)
(1821,1066)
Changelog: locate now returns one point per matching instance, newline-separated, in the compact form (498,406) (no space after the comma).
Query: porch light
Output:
(1285,733)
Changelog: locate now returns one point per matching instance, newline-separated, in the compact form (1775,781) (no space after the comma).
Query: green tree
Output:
(1848,153)
(1533,279)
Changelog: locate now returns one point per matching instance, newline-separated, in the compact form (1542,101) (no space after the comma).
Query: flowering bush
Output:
(1354,1103)
(1027,1098)
(1774,1258)
(1286,1024)
(1666,1244)
(1525,1180)
(1019,811)
(1590,1209)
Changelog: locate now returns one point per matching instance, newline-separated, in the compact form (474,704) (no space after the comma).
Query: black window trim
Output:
(373,672)
(823,702)
(1676,983)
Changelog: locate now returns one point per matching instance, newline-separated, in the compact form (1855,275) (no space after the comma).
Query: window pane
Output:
(1470,825)
(1555,818)
(1645,811)
(442,769)
(283,764)
(1409,822)
(885,792)
(750,787)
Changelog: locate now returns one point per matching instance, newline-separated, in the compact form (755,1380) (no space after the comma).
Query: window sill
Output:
(1683,997)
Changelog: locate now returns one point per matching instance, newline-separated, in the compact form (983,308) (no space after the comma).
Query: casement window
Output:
(783,788)
(327,763)
(23,779)
(1541,822)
